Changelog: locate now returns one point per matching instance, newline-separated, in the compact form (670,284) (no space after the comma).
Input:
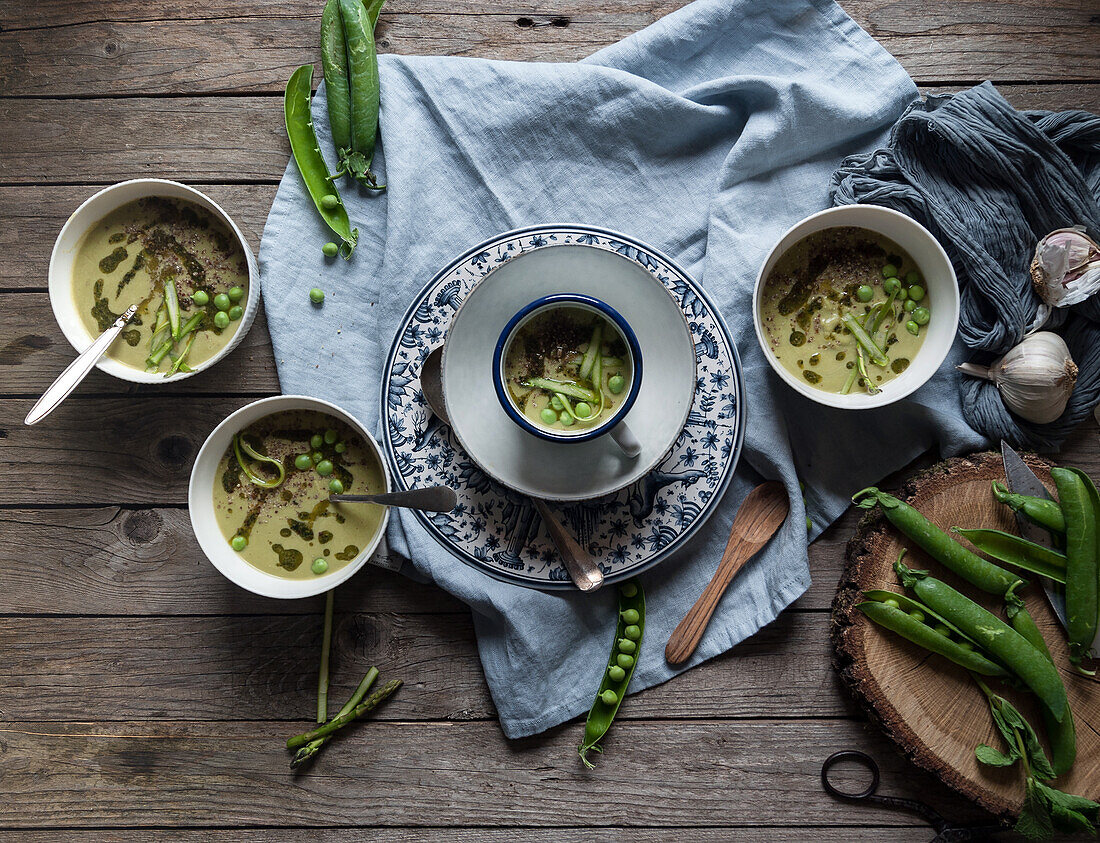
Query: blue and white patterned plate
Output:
(497,530)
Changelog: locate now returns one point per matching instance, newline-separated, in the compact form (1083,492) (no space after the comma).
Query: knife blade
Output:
(1022,481)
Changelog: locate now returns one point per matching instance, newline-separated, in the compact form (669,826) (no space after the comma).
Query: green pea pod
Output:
(374,9)
(937,544)
(363,85)
(1042,511)
(1018,552)
(925,636)
(993,635)
(1062,735)
(909,605)
(628,629)
(1077,496)
(334,63)
(311,164)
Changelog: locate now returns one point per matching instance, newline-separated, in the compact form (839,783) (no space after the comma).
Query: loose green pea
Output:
(609,697)
(891,285)
(616,673)
(339,447)
(222,302)
(940,629)
(319,566)
(909,306)
(302,462)
(235,312)
(324,468)
(912,327)
(627,646)
(917,615)
(616,383)
(331,436)
(889,271)
(317,456)
(565,418)
(921,315)
(628,589)
(238,543)
(330,202)
(916,292)
(865,292)
(633,632)
(316,295)
(316,441)
(584,409)
(902,294)
(221,319)
(335,486)
(555,402)
(913,277)
(200,297)
(236,294)
(548,416)
(624,661)
(330,250)
(630,616)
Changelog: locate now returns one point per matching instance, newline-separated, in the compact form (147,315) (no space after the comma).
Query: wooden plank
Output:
(762,772)
(131,51)
(234,139)
(265,668)
(113,561)
(33,352)
(820,834)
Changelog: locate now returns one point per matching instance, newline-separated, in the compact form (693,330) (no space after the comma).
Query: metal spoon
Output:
(583,570)
(76,371)
(430,499)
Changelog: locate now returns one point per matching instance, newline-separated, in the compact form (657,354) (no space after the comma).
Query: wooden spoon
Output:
(760,515)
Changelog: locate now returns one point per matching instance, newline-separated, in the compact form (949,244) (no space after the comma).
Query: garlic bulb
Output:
(1035,378)
(1066,267)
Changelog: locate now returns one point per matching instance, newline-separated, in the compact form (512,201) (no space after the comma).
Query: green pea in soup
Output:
(184,269)
(845,309)
(567,369)
(271,494)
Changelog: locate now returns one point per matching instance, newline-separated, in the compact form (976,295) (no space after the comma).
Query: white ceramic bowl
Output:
(568,471)
(200,501)
(87,215)
(939,280)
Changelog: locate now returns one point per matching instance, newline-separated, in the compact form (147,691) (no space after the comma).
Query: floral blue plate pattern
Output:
(497,530)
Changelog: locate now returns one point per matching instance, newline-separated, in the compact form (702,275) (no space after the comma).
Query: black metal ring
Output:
(850,755)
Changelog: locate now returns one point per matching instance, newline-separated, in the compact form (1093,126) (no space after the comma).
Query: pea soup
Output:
(567,369)
(180,264)
(271,494)
(845,309)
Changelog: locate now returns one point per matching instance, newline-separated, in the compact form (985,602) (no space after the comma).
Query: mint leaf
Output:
(1085,808)
(1034,821)
(994,757)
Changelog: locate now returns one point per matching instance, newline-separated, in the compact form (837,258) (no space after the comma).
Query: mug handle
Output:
(624,437)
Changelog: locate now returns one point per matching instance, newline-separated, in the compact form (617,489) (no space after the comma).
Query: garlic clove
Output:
(1035,378)
(1066,267)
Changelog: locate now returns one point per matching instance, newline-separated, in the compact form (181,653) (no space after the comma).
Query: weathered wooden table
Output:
(140,692)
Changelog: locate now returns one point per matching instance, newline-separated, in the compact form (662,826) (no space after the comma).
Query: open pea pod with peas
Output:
(620,668)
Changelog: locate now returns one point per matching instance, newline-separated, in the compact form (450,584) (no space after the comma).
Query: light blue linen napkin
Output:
(707,135)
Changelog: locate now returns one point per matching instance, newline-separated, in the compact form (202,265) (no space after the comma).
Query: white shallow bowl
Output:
(200,501)
(91,212)
(939,280)
(568,471)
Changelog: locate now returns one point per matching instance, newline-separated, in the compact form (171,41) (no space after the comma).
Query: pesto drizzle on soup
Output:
(271,494)
(845,309)
(181,265)
(567,369)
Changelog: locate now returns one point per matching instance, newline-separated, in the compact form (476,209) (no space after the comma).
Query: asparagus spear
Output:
(314,746)
(326,645)
(340,721)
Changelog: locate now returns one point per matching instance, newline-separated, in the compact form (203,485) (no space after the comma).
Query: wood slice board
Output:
(928,706)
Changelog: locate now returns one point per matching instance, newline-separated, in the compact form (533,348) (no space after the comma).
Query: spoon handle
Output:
(76,371)
(430,499)
(582,568)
